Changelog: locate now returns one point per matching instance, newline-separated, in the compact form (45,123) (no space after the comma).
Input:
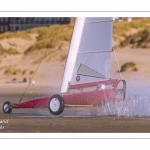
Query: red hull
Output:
(41,102)
(95,97)
(88,98)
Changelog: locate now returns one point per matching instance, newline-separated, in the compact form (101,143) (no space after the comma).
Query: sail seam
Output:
(99,21)
(86,52)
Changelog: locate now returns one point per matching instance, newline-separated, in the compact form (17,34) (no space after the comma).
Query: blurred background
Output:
(24,40)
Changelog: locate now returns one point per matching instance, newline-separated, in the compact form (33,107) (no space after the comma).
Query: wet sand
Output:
(72,120)
(24,124)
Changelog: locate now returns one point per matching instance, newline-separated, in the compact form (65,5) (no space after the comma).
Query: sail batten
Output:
(86,52)
(98,21)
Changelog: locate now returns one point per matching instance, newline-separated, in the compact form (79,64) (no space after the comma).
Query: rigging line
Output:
(118,64)
(38,65)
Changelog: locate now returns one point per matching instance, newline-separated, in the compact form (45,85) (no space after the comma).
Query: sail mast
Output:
(72,54)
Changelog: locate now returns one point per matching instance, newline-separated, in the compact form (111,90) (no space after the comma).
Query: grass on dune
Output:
(65,31)
(141,39)
(9,51)
(128,65)
(121,28)
(18,34)
(46,34)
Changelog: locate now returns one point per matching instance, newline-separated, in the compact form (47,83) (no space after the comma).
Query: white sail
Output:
(89,57)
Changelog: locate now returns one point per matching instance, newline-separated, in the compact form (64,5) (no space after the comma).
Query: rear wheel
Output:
(7,107)
(56,104)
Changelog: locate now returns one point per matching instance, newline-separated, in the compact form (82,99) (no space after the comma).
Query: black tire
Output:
(7,107)
(56,105)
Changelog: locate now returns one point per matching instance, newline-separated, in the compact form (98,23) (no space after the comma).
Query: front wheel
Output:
(7,107)
(56,104)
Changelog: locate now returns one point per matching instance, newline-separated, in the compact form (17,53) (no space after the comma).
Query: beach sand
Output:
(73,120)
